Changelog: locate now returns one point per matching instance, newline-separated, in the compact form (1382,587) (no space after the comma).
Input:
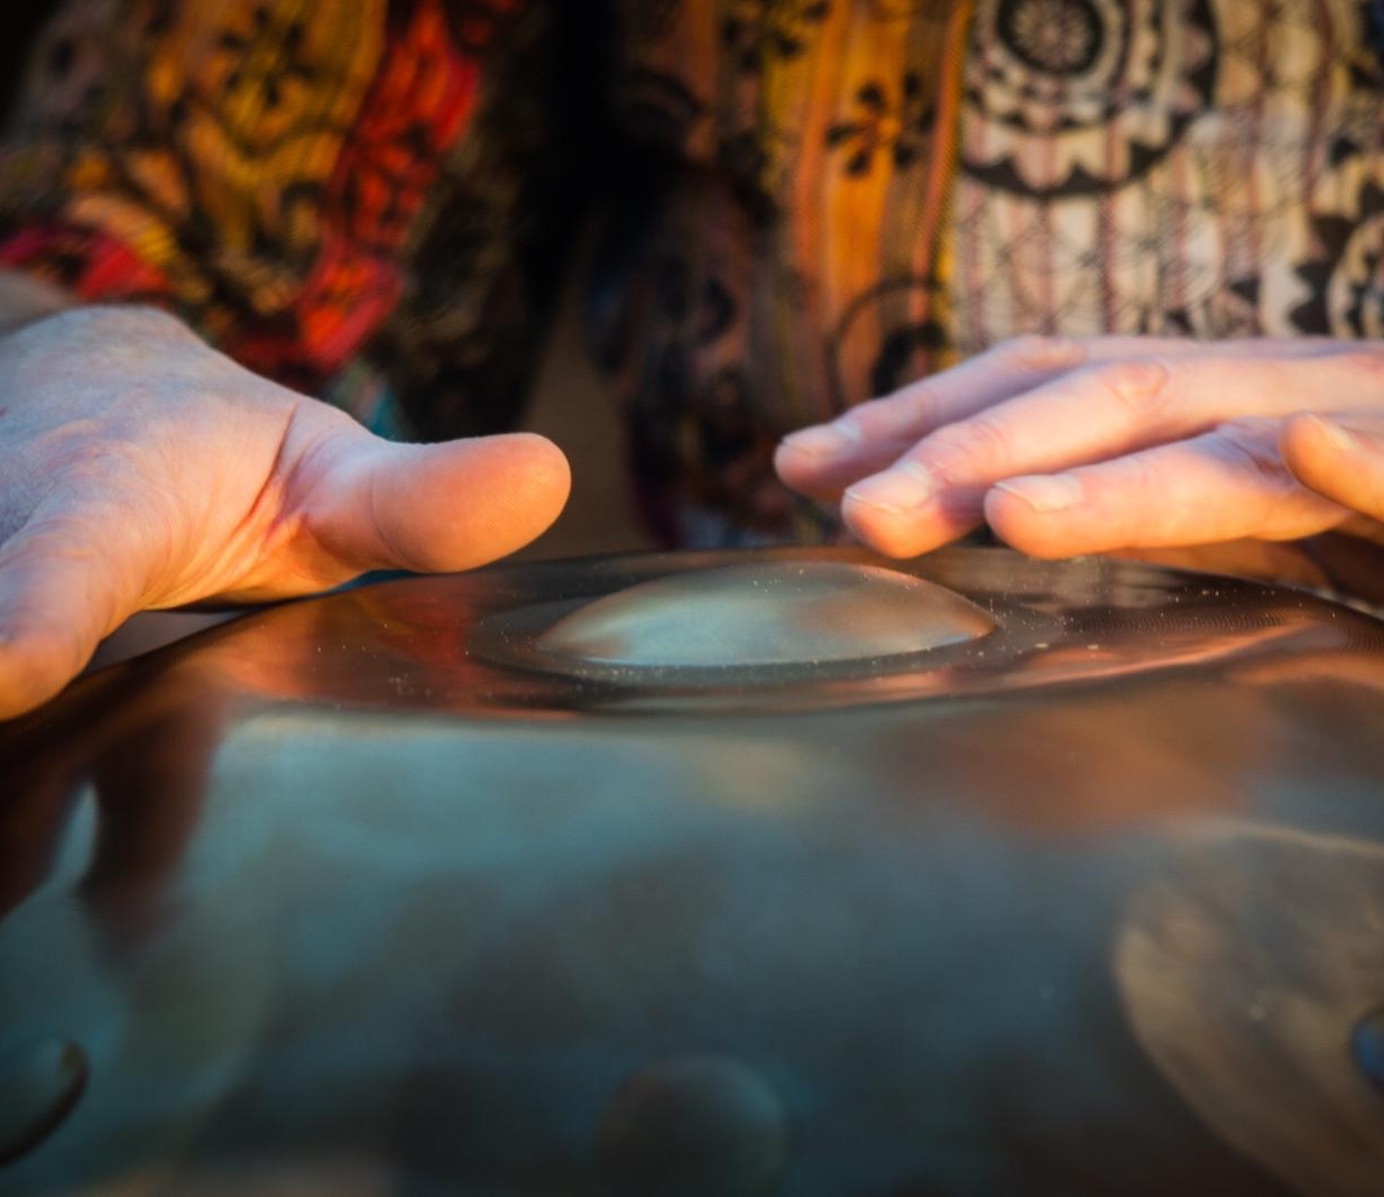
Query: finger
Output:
(374,504)
(1094,414)
(910,530)
(823,460)
(1340,456)
(63,587)
(1221,486)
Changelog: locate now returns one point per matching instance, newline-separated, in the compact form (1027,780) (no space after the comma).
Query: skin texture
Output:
(141,469)
(1108,444)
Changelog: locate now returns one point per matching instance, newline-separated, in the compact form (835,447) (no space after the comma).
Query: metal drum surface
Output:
(791,873)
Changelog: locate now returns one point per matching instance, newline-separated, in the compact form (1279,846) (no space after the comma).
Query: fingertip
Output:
(540,469)
(812,474)
(794,467)
(880,521)
(1339,458)
(1005,513)
(449,506)
(1312,446)
(821,443)
(885,536)
(896,534)
(537,450)
(497,494)
(1019,519)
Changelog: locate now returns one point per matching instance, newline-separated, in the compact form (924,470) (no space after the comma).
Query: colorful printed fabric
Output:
(798,260)
(870,190)
(814,201)
(301,180)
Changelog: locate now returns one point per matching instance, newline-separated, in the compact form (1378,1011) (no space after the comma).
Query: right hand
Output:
(1112,444)
(141,469)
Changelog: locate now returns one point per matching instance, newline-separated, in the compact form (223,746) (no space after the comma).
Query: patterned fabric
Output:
(302,180)
(1200,172)
(813,202)
(798,261)
(873,189)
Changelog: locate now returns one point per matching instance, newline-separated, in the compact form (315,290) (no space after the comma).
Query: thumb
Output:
(376,504)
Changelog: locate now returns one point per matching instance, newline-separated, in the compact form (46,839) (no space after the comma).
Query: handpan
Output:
(783,873)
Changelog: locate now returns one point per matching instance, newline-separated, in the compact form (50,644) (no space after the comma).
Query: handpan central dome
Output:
(767,613)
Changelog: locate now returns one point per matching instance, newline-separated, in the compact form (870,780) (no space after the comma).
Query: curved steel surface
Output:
(377,894)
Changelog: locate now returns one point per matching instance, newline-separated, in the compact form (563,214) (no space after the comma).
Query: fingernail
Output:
(1333,434)
(903,488)
(1053,493)
(823,440)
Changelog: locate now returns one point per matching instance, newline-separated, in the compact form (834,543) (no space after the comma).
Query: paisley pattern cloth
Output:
(808,202)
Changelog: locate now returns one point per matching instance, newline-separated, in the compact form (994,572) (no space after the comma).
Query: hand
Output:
(139,468)
(1070,447)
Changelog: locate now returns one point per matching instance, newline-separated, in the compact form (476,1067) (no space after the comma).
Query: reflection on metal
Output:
(1368,1042)
(1243,970)
(385,893)
(40,1083)
(690,1126)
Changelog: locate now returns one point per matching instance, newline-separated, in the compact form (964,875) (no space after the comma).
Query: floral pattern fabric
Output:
(807,202)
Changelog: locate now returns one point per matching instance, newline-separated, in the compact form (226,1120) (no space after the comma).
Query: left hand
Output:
(1084,446)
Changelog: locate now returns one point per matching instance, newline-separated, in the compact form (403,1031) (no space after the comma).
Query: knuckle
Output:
(1142,388)
(72,460)
(973,447)
(90,460)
